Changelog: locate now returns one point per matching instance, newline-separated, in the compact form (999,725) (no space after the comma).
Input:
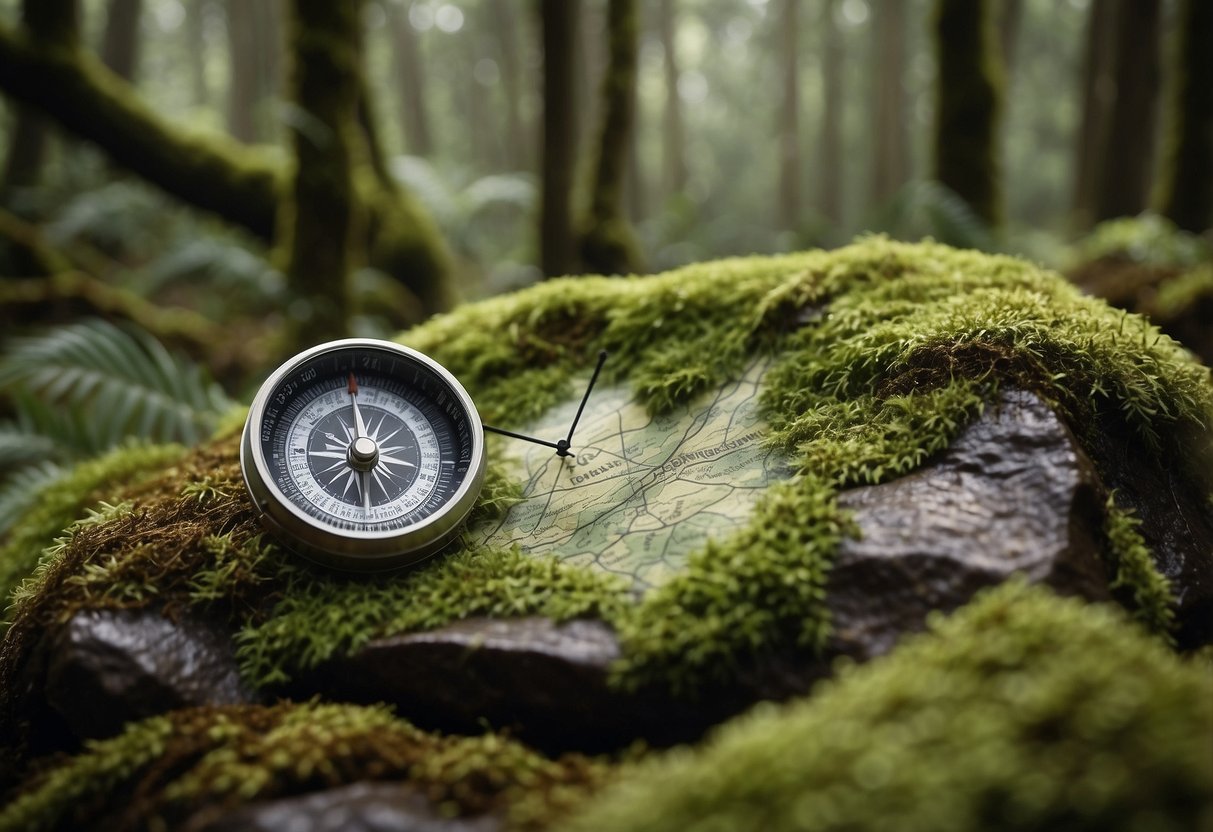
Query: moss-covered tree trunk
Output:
(322,223)
(1125,155)
(557,246)
(969,91)
(1185,193)
(608,245)
(212,173)
(49,22)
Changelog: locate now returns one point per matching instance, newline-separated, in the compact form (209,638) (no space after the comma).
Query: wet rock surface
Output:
(1013,493)
(362,807)
(104,668)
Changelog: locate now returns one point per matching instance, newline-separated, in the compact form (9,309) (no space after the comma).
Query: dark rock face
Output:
(107,667)
(362,807)
(1014,493)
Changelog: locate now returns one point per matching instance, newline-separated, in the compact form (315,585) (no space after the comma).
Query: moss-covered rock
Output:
(1147,264)
(880,355)
(1023,711)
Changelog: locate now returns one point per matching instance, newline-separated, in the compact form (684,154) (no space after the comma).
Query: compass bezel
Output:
(353,549)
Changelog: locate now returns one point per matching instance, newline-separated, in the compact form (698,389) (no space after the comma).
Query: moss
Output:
(1148,240)
(160,772)
(1022,711)
(882,353)
(65,499)
(1178,296)
(1133,565)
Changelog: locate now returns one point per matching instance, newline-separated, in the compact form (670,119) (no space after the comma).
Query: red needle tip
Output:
(353,385)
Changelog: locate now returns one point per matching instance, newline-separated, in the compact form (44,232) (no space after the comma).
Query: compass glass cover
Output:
(364,440)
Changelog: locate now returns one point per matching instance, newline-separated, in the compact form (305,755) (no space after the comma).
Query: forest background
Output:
(230,180)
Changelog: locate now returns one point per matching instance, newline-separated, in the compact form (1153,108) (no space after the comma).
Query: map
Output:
(640,492)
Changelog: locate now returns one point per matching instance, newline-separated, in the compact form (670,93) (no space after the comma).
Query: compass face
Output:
(363,454)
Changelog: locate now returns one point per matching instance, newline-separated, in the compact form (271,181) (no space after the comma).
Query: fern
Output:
(113,383)
(22,488)
(931,209)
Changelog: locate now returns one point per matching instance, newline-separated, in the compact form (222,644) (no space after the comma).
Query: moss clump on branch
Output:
(882,351)
(1023,711)
(160,772)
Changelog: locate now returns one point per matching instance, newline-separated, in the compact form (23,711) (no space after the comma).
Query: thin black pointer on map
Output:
(562,446)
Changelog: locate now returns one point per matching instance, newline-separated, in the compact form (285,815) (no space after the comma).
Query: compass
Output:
(363,455)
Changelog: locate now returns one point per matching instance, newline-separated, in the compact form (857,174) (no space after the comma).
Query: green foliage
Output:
(928,209)
(1153,600)
(1177,295)
(158,772)
(1022,711)
(62,500)
(1147,239)
(81,389)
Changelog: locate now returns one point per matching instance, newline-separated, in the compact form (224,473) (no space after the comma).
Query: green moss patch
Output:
(159,772)
(1022,711)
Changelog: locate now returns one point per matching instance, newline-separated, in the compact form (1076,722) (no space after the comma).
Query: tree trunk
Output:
(242,83)
(673,144)
(1185,193)
(517,146)
(48,22)
(414,114)
(323,225)
(1097,94)
(120,42)
(789,117)
(892,158)
(558,19)
(1010,18)
(212,173)
(1126,153)
(267,19)
(608,244)
(195,35)
(968,105)
(830,167)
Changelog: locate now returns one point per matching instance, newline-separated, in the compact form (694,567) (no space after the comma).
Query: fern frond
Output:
(125,383)
(21,489)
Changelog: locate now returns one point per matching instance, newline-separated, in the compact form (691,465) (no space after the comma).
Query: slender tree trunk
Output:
(1185,192)
(830,166)
(324,222)
(673,143)
(789,117)
(194,32)
(635,190)
(49,23)
(477,117)
(969,103)
(1010,18)
(517,146)
(558,19)
(267,16)
(1098,91)
(410,76)
(608,245)
(889,126)
(120,42)
(1126,155)
(243,83)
